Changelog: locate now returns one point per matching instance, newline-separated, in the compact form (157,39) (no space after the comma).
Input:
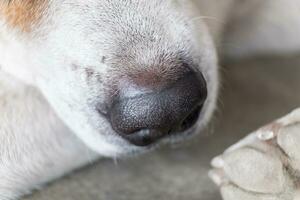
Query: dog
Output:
(81,80)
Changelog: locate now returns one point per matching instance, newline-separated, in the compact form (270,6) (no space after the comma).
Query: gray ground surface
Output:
(253,93)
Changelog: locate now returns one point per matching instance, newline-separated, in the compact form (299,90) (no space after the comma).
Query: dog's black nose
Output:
(147,117)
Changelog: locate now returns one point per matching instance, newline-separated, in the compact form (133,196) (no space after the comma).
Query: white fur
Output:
(77,37)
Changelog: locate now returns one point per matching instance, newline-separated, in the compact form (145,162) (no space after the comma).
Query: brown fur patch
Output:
(22,14)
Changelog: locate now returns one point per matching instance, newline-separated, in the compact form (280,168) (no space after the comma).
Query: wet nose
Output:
(147,117)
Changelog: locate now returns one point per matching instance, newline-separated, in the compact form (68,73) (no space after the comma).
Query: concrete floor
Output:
(253,93)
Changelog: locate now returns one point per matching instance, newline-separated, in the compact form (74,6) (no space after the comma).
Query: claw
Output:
(265,135)
(269,132)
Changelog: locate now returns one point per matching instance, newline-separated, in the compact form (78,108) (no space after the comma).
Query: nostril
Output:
(191,119)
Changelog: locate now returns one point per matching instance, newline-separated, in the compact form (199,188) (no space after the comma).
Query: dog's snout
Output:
(147,117)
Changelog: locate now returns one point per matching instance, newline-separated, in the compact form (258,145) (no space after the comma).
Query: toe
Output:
(232,192)
(289,141)
(255,171)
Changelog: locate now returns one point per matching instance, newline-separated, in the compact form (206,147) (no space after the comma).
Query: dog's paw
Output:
(263,166)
